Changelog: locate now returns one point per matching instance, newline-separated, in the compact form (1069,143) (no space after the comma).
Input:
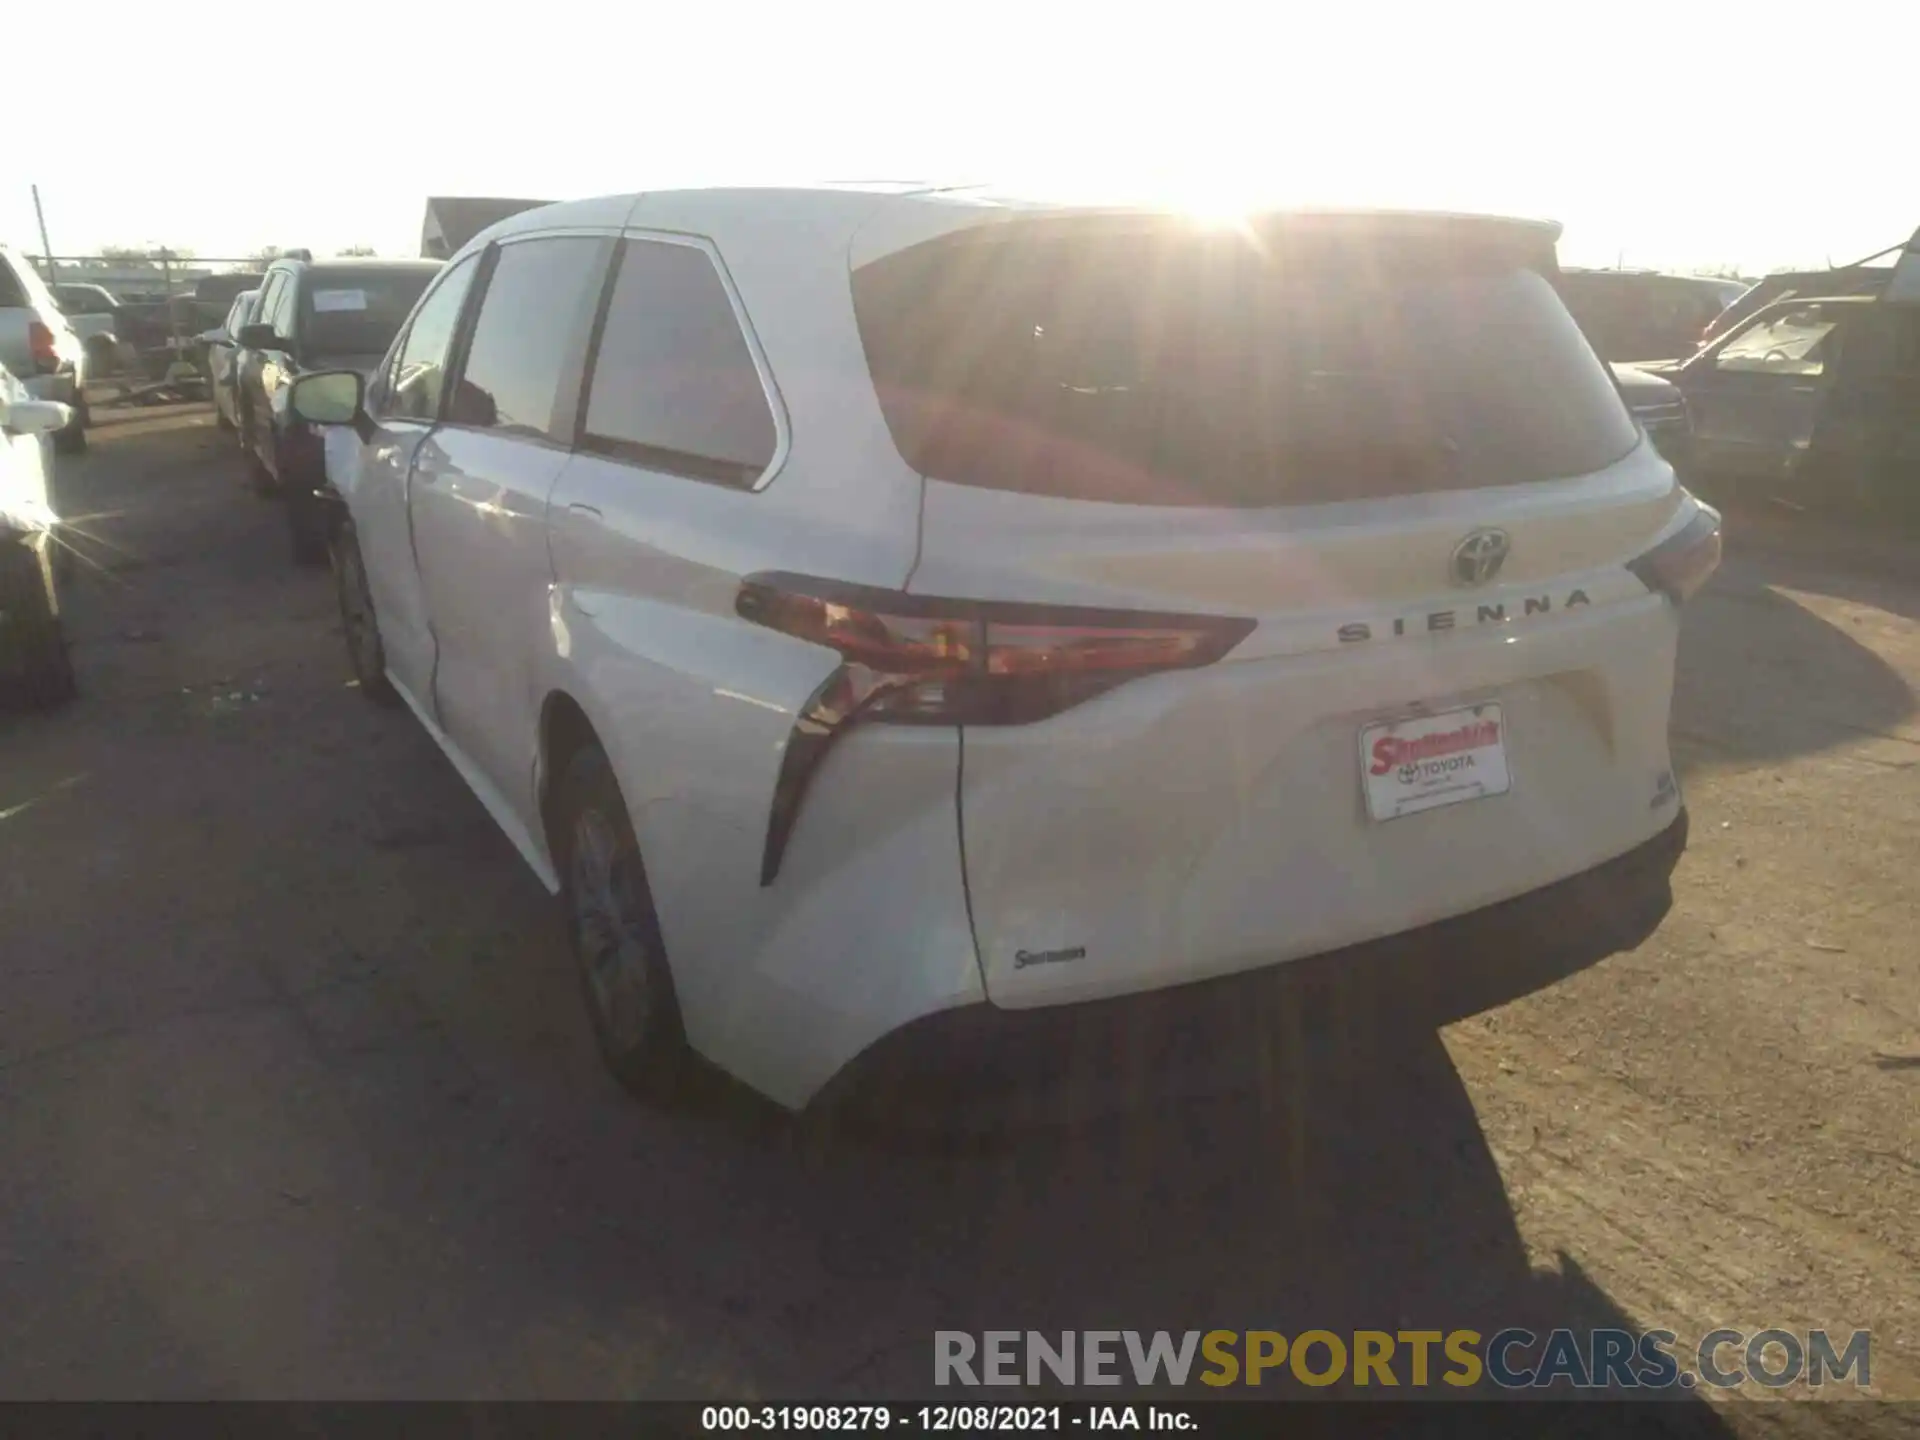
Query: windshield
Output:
(1177,371)
(1790,342)
(357,311)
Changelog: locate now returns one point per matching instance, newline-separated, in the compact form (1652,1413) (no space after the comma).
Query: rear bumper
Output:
(1066,1061)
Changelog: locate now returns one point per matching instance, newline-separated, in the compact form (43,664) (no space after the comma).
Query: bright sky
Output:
(1673,134)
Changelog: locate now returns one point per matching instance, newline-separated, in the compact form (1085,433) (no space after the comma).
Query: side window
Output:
(413,386)
(1881,343)
(283,309)
(537,305)
(1793,341)
(269,296)
(672,383)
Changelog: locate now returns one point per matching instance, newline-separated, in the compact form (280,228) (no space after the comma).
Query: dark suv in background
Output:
(313,315)
(1631,316)
(1812,402)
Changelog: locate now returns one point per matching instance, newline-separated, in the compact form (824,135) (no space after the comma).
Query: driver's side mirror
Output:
(329,397)
(260,337)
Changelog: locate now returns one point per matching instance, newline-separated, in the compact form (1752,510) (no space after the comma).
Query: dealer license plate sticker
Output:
(1422,762)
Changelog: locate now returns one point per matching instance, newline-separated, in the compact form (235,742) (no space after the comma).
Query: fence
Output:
(159,302)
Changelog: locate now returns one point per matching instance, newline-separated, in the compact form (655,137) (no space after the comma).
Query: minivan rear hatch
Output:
(1378,446)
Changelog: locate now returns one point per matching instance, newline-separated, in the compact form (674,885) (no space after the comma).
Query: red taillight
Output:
(1678,566)
(46,359)
(913,660)
(918,660)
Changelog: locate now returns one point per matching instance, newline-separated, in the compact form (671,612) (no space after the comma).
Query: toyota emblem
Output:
(1478,558)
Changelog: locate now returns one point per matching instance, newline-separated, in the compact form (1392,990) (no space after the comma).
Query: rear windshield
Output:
(11,291)
(1220,370)
(358,311)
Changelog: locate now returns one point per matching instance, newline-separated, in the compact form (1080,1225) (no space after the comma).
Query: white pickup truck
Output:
(94,314)
(41,347)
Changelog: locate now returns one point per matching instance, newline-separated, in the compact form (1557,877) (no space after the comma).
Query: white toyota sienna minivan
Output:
(892,616)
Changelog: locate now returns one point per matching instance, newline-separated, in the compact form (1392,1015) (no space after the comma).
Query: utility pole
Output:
(46,245)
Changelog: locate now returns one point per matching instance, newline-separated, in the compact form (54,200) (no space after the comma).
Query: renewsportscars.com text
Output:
(1510,1359)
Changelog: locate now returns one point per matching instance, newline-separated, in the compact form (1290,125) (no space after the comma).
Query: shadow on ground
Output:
(296,1097)
(1762,678)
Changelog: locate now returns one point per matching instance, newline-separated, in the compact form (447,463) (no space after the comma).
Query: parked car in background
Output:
(1813,400)
(34,666)
(1285,588)
(313,316)
(223,359)
(81,299)
(1659,406)
(1635,315)
(98,318)
(213,295)
(40,347)
(1789,284)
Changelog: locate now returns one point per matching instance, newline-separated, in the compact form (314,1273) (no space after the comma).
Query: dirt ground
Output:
(297,1098)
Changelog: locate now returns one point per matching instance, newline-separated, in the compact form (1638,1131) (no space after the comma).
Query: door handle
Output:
(585,511)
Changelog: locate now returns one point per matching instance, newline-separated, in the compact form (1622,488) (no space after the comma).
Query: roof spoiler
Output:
(894,231)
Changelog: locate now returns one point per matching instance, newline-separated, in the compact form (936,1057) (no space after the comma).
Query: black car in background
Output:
(313,315)
(1789,284)
(1813,401)
(1631,316)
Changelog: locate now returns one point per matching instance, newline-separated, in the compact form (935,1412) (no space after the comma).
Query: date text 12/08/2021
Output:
(948,1419)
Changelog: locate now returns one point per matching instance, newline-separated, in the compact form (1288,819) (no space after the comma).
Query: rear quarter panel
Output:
(865,927)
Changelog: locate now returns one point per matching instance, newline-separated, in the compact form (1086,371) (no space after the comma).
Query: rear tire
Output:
(34,663)
(614,931)
(366,655)
(258,476)
(306,526)
(72,439)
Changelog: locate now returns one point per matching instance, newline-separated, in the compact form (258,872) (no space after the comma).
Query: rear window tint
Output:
(358,311)
(673,383)
(1218,369)
(12,293)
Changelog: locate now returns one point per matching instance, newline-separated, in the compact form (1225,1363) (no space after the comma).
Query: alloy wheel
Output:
(610,921)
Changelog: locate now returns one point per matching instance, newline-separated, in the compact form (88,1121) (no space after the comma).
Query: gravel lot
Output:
(297,1098)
